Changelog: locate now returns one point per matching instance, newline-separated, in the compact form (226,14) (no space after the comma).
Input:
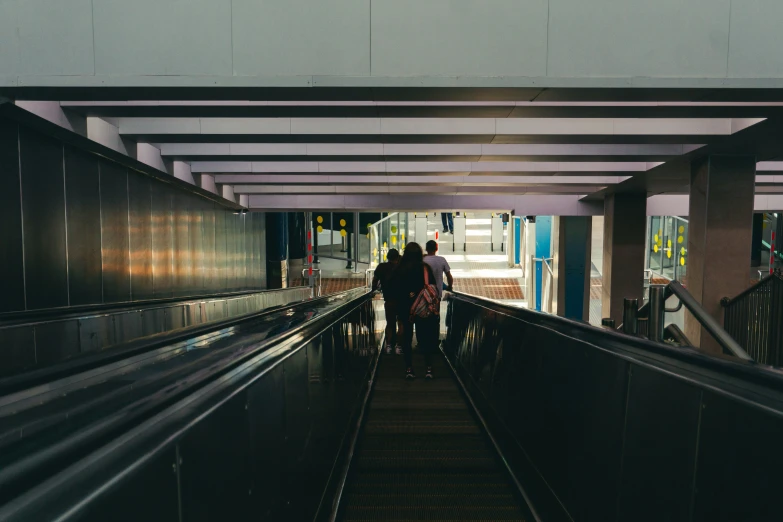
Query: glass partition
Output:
(387,233)
(667,247)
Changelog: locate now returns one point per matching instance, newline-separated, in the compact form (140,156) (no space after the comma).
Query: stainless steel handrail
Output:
(708,322)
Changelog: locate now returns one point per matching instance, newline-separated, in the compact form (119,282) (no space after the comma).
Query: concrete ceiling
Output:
(301,147)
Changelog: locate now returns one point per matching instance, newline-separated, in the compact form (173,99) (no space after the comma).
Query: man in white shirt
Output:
(439,267)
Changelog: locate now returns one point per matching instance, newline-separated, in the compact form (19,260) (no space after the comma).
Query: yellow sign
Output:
(681,229)
(669,243)
(342,232)
(402,236)
(682,251)
(384,257)
(680,239)
(394,229)
(656,238)
(374,252)
(669,254)
(342,222)
(394,240)
(655,248)
(319,229)
(320,219)
(384,244)
(682,261)
(402,246)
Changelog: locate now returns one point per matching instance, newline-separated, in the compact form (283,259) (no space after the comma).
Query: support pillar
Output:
(625,220)
(277,250)
(719,236)
(297,244)
(758,235)
(572,267)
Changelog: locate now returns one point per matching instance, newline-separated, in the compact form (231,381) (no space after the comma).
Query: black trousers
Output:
(427,334)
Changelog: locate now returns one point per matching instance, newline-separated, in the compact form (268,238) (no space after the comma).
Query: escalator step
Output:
(422,456)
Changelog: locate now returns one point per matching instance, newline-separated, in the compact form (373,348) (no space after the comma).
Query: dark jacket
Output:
(382,279)
(407,282)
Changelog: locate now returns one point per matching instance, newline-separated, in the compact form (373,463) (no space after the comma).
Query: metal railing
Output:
(652,317)
(547,282)
(314,281)
(755,319)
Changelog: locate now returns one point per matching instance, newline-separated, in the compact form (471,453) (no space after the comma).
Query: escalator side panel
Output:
(740,458)
(150,494)
(660,447)
(215,473)
(266,413)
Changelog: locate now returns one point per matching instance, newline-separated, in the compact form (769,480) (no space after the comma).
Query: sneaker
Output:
(428,375)
(445,230)
(388,349)
(409,375)
(398,349)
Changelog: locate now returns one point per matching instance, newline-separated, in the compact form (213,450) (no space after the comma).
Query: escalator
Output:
(530,417)
(423,455)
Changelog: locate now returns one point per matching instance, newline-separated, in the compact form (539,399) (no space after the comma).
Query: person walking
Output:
(439,267)
(382,279)
(410,279)
(447,218)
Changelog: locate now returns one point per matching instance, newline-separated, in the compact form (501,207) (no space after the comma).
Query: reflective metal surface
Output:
(80,229)
(34,345)
(602,426)
(258,442)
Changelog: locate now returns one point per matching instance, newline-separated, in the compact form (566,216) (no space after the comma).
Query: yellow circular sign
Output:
(402,236)
(682,261)
(669,254)
(319,229)
(682,251)
(655,248)
(680,239)
(394,229)
(320,219)
(384,257)
(394,240)
(681,229)
(669,243)
(402,246)
(656,238)
(384,244)
(342,232)
(342,222)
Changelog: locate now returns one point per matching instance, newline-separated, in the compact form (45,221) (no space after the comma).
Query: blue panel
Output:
(543,250)
(517,236)
(576,244)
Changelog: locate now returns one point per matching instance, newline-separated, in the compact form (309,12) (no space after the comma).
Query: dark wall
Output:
(80,229)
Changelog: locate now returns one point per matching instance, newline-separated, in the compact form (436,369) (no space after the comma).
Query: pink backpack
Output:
(427,302)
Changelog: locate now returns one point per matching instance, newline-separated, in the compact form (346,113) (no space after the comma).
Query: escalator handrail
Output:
(29,379)
(164,426)
(708,322)
(620,343)
(34,317)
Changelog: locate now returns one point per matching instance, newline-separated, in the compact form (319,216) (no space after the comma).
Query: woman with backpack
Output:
(419,306)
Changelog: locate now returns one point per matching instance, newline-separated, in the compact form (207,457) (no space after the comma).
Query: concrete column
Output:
(277,250)
(181,170)
(625,220)
(572,266)
(227,191)
(719,236)
(297,243)
(207,182)
(758,234)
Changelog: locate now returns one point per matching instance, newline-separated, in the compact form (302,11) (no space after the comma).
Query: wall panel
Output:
(79,229)
(43,203)
(162,242)
(140,219)
(82,198)
(11,256)
(114,226)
